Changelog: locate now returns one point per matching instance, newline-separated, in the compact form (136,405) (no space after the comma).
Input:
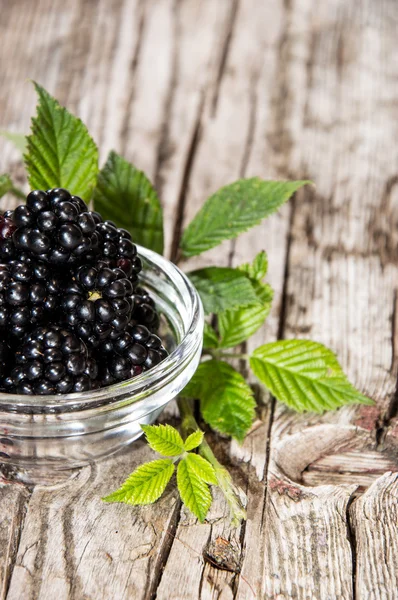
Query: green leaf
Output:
(227,402)
(194,492)
(60,151)
(256,270)
(145,485)
(202,468)
(125,195)
(194,440)
(164,439)
(18,139)
(210,339)
(5,185)
(305,375)
(223,288)
(233,209)
(236,326)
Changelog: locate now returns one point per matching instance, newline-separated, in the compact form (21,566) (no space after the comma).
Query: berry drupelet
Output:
(54,226)
(7,228)
(28,296)
(133,352)
(52,360)
(98,303)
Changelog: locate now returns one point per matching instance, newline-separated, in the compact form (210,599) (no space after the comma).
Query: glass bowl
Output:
(42,438)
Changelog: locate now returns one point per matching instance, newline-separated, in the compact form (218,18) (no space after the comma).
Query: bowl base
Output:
(10,473)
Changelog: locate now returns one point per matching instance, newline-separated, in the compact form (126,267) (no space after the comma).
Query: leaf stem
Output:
(235,497)
(220,354)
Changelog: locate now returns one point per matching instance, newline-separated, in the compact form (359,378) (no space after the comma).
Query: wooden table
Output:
(198,93)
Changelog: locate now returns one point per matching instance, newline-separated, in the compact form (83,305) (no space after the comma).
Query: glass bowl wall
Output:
(41,437)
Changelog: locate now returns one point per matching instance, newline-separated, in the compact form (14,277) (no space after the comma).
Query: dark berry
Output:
(28,296)
(126,356)
(116,248)
(144,311)
(55,226)
(97,303)
(52,360)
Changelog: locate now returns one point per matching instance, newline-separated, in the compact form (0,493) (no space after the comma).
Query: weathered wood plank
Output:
(375,527)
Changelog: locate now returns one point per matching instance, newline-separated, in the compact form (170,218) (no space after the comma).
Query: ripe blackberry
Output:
(98,303)
(129,355)
(116,248)
(28,296)
(144,311)
(54,226)
(52,360)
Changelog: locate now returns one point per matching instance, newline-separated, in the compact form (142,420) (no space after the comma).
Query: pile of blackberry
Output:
(73,316)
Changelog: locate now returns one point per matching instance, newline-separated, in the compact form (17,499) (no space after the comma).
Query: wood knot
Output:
(223,554)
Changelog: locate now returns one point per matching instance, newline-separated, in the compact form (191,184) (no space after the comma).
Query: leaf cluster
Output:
(149,481)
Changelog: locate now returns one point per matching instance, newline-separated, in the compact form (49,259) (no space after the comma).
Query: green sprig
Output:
(149,481)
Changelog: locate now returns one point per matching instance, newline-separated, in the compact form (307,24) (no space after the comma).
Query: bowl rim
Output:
(109,395)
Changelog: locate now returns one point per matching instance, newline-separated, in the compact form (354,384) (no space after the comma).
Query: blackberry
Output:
(52,360)
(28,296)
(117,249)
(129,355)
(144,311)
(98,303)
(54,226)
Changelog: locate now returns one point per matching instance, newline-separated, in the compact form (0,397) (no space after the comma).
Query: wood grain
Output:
(198,94)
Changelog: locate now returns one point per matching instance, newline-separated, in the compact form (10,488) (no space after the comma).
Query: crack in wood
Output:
(164,552)
(352,541)
(193,147)
(164,151)
(69,546)
(125,130)
(225,49)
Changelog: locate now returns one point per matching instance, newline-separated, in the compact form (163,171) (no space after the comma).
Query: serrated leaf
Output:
(125,195)
(305,375)
(234,209)
(145,485)
(226,400)
(60,151)
(194,492)
(194,440)
(236,326)
(5,184)
(223,288)
(202,468)
(256,270)
(18,139)
(210,338)
(164,439)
